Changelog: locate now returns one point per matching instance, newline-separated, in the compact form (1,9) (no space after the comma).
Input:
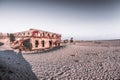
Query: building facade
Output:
(39,39)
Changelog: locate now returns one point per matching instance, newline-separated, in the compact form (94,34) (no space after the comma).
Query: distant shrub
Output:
(12,38)
(27,44)
(97,42)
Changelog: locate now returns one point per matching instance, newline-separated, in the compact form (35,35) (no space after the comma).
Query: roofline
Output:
(44,31)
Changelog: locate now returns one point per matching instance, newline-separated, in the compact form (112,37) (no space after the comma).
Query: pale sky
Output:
(81,20)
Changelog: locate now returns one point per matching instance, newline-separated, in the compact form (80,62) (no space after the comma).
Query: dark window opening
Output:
(58,44)
(50,43)
(28,33)
(36,43)
(43,43)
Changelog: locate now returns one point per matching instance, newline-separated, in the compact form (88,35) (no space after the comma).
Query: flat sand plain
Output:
(85,60)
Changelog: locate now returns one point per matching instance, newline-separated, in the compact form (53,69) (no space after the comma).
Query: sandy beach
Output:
(59,39)
(85,60)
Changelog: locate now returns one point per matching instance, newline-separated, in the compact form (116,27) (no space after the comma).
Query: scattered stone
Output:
(76,60)
(72,55)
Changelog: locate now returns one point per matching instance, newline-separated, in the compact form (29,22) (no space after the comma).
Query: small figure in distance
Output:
(71,40)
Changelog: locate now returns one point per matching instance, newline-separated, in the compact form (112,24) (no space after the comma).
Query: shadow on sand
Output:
(13,66)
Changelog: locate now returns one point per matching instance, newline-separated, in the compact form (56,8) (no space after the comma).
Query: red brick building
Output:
(38,38)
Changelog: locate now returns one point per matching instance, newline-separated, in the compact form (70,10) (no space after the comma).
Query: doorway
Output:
(43,43)
(50,43)
(36,43)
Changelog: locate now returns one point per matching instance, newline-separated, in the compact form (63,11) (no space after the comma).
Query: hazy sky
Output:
(92,19)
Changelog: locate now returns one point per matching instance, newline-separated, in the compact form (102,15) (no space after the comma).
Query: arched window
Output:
(28,33)
(43,43)
(50,43)
(36,43)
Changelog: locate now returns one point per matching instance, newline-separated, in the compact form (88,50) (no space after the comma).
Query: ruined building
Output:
(39,39)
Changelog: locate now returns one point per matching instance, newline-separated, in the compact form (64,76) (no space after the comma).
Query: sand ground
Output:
(90,60)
